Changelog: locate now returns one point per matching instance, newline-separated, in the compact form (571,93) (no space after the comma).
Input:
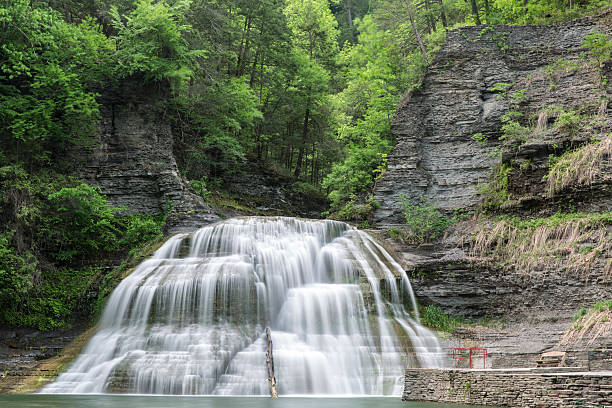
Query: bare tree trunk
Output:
(430,20)
(475,12)
(349,17)
(270,365)
(527,10)
(416,31)
(487,10)
(298,166)
(442,14)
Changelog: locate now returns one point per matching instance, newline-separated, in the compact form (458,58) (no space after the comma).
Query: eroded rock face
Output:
(466,91)
(132,159)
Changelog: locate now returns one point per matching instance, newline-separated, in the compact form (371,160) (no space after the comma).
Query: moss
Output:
(47,370)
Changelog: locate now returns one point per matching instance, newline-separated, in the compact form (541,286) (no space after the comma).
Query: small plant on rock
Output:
(423,219)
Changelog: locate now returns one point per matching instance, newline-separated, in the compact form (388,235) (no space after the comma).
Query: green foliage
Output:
(313,26)
(356,211)
(424,220)
(141,229)
(305,189)
(17,272)
(568,121)
(52,303)
(46,69)
(355,174)
(495,193)
(501,87)
(217,125)
(51,225)
(518,96)
(199,186)
(152,42)
(512,130)
(579,314)
(585,319)
(480,139)
(434,317)
(397,233)
(599,46)
(81,222)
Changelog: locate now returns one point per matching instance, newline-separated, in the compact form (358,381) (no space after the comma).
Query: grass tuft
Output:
(575,242)
(580,167)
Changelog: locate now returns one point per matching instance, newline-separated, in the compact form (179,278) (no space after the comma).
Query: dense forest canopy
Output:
(306,88)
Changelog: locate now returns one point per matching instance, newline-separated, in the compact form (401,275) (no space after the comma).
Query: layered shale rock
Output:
(132,159)
(480,74)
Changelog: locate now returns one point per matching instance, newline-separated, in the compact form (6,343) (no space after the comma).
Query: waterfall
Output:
(191,319)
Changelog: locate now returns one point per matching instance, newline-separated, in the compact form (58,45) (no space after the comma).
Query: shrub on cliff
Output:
(424,220)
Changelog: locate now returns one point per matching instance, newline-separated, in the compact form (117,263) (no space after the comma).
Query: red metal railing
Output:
(469,354)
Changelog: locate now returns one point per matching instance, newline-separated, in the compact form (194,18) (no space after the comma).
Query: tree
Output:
(315,33)
(152,42)
(475,11)
(47,70)
(416,30)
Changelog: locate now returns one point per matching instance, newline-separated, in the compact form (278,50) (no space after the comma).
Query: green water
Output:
(137,401)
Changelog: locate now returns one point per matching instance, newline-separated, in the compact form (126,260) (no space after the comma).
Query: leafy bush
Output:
(435,318)
(199,186)
(54,300)
(512,130)
(495,193)
(81,222)
(16,272)
(424,220)
(599,46)
(355,174)
(142,229)
(305,189)
(568,121)
(354,211)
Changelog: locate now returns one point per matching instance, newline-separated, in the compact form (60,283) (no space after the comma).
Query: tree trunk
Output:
(270,365)
(246,50)
(442,14)
(298,166)
(487,10)
(430,20)
(349,17)
(416,31)
(527,10)
(475,12)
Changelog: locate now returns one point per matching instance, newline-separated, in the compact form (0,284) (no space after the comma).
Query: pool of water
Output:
(140,401)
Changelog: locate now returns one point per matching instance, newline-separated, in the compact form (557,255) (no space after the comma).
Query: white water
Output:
(191,319)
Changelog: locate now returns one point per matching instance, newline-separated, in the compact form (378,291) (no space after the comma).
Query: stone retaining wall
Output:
(537,388)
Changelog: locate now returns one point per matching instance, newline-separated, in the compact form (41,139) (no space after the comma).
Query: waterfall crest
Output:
(191,319)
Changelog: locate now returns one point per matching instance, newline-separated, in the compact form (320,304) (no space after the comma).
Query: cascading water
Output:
(191,319)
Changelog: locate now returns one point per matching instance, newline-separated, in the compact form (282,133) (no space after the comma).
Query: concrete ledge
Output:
(521,387)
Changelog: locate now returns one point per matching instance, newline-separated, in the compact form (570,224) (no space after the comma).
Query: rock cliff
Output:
(480,74)
(132,159)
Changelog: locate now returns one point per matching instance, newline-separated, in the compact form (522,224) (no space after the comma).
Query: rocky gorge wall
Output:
(480,74)
(131,157)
